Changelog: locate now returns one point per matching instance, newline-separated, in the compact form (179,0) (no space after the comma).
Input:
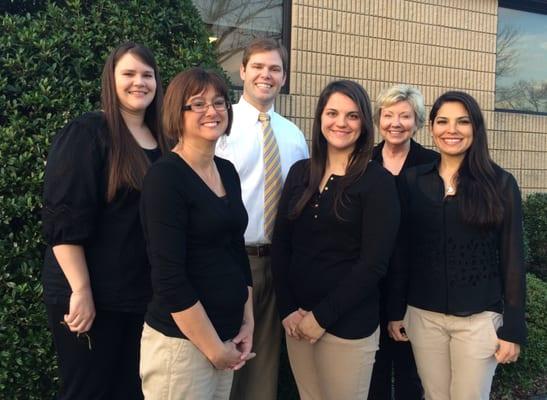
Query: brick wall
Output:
(435,45)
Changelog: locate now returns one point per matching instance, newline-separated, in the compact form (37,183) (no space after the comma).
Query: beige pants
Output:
(257,380)
(333,368)
(454,355)
(175,369)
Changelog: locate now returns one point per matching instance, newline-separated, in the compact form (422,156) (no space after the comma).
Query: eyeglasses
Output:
(200,106)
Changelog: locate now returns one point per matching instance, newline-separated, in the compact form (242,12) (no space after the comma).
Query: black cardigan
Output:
(444,265)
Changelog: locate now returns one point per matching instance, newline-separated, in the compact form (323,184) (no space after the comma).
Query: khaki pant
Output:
(454,355)
(257,380)
(333,368)
(175,369)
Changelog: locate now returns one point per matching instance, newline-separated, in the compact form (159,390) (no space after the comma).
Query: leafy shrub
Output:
(535,229)
(527,376)
(50,66)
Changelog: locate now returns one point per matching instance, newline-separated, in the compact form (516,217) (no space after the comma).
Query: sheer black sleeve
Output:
(512,265)
(380,215)
(282,244)
(74,183)
(164,214)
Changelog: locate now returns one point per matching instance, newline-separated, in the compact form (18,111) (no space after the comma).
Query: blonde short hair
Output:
(397,93)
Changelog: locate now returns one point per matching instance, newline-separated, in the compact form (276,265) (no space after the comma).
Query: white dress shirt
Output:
(243,147)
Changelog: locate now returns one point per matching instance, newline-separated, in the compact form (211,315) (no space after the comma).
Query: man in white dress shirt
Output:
(263,71)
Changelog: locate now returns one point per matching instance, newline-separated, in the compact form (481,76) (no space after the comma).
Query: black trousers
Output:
(102,364)
(394,357)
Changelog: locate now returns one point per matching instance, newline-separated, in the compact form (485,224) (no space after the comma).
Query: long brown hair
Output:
(481,203)
(358,159)
(127,163)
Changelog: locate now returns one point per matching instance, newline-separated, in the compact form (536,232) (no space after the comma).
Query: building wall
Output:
(435,45)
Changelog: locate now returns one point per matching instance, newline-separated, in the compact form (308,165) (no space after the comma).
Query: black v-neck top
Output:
(331,266)
(195,245)
(76,212)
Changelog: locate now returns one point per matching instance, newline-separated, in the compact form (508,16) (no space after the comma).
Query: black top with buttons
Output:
(330,266)
(444,265)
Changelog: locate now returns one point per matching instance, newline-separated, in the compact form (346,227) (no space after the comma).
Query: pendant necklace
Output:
(450,190)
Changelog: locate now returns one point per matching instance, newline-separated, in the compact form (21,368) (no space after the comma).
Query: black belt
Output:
(258,250)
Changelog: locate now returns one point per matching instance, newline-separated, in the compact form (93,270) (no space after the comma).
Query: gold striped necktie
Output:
(272,174)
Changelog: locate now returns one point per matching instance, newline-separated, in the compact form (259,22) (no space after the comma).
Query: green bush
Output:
(527,376)
(50,66)
(534,209)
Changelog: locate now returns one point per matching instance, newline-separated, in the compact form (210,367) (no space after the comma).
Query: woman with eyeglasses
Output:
(199,324)
(96,275)
(458,279)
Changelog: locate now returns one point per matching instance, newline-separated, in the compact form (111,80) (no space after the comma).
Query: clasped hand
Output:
(302,324)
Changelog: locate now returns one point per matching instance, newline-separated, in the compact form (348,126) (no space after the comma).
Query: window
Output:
(234,23)
(521,59)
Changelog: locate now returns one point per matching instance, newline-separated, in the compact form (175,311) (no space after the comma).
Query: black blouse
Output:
(444,265)
(195,244)
(330,266)
(76,212)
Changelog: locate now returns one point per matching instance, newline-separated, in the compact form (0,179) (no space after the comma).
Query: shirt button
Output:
(326,188)
(331,178)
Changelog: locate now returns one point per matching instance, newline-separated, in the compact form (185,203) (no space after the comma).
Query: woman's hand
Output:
(507,352)
(396,331)
(226,356)
(309,328)
(244,344)
(81,312)
(291,321)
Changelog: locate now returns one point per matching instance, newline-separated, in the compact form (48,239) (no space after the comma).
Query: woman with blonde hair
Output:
(399,112)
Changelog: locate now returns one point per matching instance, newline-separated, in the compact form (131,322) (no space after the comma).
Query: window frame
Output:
(532,6)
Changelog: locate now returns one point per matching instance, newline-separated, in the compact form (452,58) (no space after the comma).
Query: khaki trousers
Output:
(257,380)
(333,368)
(454,355)
(175,369)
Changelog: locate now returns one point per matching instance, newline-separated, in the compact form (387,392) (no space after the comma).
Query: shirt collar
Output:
(252,111)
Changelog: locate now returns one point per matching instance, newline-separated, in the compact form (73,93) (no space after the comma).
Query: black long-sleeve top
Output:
(330,266)
(195,244)
(444,265)
(76,212)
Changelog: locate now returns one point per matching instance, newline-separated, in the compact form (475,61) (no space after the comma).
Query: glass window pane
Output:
(521,73)
(234,23)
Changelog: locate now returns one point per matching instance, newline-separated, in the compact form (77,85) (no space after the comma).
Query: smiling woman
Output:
(457,284)
(96,274)
(194,219)
(331,246)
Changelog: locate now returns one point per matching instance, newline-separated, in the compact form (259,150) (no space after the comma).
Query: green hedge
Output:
(50,65)
(527,376)
(534,209)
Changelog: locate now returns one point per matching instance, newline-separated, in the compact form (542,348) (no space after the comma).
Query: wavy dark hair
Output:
(127,163)
(480,202)
(358,159)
